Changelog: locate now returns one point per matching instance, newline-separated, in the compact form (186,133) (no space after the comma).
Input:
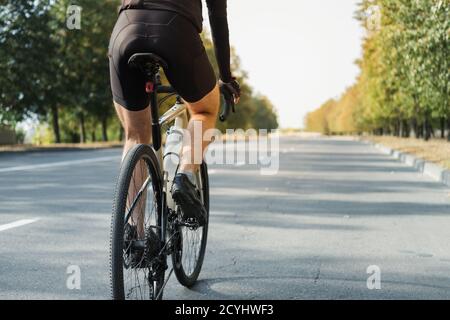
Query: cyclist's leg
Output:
(128,84)
(137,128)
(136,125)
(204,115)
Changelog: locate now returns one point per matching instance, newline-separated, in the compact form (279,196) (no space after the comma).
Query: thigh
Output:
(190,71)
(127,84)
(210,103)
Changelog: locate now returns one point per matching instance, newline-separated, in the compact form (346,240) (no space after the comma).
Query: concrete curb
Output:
(425,167)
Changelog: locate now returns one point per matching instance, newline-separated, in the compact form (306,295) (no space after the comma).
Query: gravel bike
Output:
(147,226)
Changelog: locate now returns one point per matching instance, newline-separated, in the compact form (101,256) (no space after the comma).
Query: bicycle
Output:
(139,251)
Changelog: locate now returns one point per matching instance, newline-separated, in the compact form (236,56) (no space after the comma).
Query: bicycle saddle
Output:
(147,61)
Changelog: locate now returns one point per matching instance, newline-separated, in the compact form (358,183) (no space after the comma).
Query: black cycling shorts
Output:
(168,35)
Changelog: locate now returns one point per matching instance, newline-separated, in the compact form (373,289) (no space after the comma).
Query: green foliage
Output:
(62,75)
(26,59)
(84,66)
(405,73)
(317,121)
(43,135)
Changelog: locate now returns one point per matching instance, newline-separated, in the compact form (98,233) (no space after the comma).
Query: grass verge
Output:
(435,150)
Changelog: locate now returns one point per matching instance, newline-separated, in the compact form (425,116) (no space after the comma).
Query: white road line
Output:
(57,164)
(16,224)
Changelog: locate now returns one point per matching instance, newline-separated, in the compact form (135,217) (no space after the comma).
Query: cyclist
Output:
(171,29)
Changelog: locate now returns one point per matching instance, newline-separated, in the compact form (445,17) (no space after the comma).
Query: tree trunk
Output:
(399,128)
(415,127)
(442,128)
(55,124)
(93,136)
(406,129)
(427,129)
(388,130)
(82,128)
(105,129)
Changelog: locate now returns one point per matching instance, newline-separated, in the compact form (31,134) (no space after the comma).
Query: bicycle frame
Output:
(178,115)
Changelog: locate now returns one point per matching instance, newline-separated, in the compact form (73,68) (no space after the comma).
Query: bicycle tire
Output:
(189,280)
(135,155)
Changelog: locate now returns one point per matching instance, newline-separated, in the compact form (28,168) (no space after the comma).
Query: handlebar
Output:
(226,111)
(227,108)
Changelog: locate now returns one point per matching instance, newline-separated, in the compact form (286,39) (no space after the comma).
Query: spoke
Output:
(138,197)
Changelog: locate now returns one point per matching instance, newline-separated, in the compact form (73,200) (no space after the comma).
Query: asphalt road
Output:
(311,231)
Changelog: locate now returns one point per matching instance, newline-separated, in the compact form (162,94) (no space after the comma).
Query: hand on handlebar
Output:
(232,93)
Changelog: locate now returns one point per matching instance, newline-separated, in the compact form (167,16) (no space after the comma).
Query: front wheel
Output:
(190,243)
(136,272)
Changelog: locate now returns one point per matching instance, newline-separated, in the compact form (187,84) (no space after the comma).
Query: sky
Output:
(298,53)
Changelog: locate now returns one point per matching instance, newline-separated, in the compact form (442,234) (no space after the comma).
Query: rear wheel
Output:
(136,266)
(190,243)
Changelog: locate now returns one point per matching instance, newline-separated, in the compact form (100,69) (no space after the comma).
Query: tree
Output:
(26,58)
(61,74)
(404,81)
(84,59)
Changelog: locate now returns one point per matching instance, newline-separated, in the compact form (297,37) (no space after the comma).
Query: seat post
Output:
(149,64)
(156,127)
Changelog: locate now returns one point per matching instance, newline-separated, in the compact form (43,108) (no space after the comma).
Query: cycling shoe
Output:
(185,194)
